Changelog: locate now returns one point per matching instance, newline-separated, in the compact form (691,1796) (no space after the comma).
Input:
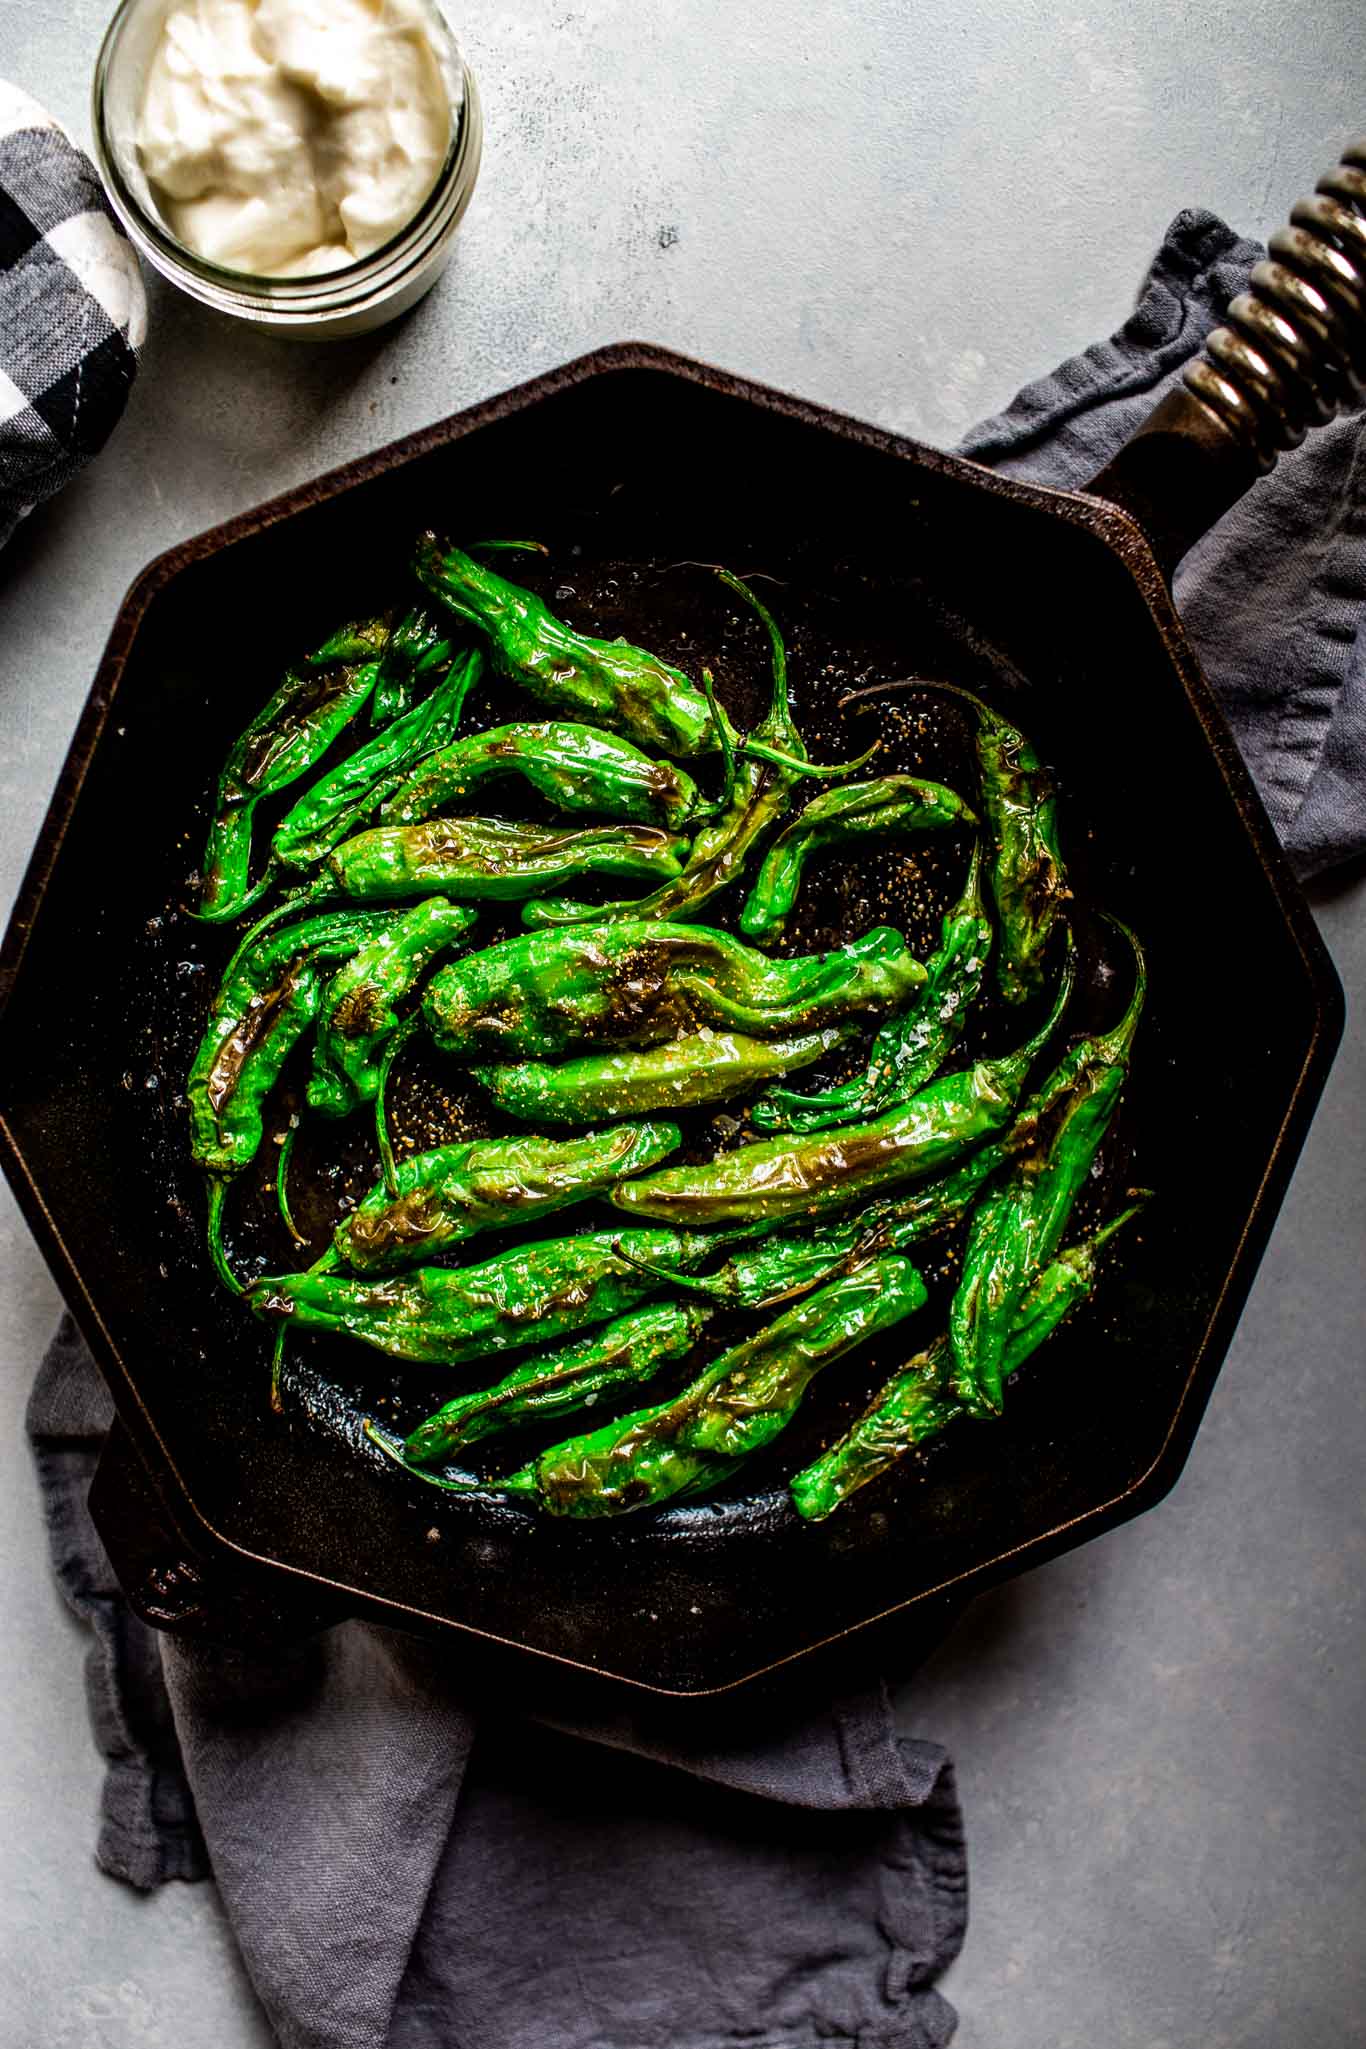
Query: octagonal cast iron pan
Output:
(889,560)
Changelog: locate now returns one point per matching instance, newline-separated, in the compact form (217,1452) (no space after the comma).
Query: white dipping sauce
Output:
(288,137)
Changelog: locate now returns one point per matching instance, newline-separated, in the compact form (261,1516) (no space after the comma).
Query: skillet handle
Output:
(1292,353)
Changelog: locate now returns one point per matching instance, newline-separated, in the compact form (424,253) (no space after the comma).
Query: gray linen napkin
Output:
(1272,597)
(397,1875)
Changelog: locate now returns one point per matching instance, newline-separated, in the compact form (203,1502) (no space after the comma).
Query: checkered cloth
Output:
(72,310)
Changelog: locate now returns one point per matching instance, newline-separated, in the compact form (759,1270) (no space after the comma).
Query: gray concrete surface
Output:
(904,210)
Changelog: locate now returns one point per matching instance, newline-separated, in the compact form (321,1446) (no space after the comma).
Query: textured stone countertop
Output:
(904,211)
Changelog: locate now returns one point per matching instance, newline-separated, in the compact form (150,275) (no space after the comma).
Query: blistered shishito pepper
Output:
(1019,1225)
(787,1177)
(339,804)
(578,768)
(890,807)
(917,1403)
(485,859)
(912,1045)
(455,1191)
(734,1407)
(359,1013)
(444,1316)
(759,792)
(623,1354)
(265,1003)
(784,1266)
(1028,881)
(635,982)
(418,649)
(705,1066)
(606,681)
(255,1020)
(311,707)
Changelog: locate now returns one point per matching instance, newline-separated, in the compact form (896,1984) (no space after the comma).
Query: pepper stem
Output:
(218,1189)
(491,547)
(778,710)
(1106,1233)
(395,1451)
(282,1184)
(277,1361)
(725,740)
(828,771)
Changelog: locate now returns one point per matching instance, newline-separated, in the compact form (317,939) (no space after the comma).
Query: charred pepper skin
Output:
(455,1191)
(1018,1228)
(477,860)
(912,1046)
(888,807)
(359,1010)
(608,682)
(782,1178)
(917,1403)
(265,1002)
(700,1067)
(1028,880)
(338,804)
(731,1410)
(446,1316)
(577,768)
(781,1267)
(418,649)
(758,794)
(623,1354)
(635,982)
(295,729)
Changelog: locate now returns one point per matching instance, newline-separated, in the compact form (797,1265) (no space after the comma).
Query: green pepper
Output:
(296,728)
(264,1004)
(635,982)
(578,768)
(480,859)
(344,798)
(915,1042)
(891,807)
(786,1177)
(266,1001)
(443,1316)
(417,649)
(625,1353)
(607,682)
(734,1408)
(1028,881)
(758,794)
(783,1266)
(917,1403)
(705,1066)
(1019,1226)
(358,1012)
(454,1191)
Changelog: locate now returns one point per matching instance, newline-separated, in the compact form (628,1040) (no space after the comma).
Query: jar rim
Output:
(317,292)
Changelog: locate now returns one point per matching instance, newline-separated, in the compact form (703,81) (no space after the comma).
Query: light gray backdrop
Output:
(904,208)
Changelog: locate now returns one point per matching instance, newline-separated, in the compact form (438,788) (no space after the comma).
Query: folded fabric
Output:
(1273,596)
(73,313)
(401,1876)
(398,1873)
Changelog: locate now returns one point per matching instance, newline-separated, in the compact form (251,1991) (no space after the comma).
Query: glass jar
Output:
(358,295)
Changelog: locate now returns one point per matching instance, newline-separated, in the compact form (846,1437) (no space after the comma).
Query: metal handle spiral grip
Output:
(1294,348)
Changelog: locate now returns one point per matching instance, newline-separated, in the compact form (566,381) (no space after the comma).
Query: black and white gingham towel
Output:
(72,310)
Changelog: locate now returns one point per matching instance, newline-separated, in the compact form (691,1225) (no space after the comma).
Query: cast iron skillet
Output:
(891,560)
